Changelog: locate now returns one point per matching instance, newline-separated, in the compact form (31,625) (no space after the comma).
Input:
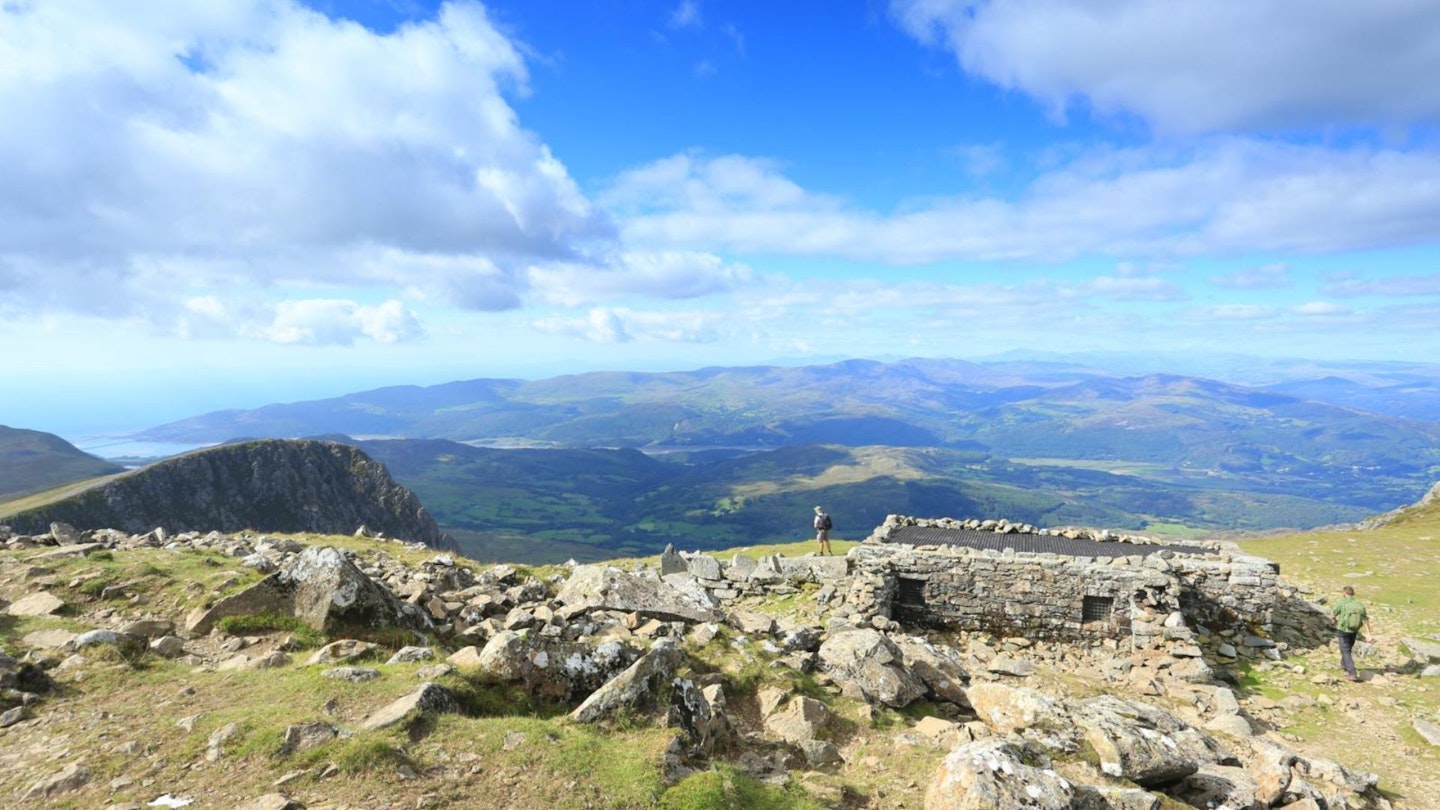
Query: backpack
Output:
(1349,615)
(826,523)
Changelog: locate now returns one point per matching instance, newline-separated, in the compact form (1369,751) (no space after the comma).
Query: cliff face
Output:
(269,485)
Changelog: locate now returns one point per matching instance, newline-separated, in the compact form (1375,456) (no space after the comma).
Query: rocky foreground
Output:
(754,668)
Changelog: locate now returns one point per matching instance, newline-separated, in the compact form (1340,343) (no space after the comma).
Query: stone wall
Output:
(1057,597)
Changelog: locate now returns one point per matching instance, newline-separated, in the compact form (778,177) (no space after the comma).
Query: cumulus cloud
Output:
(1267,277)
(1199,65)
(320,322)
(664,275)
(1399,286)
(260,142)
(624,325)
(1220,196)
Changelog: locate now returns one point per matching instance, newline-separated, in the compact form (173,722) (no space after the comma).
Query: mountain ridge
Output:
(263,485)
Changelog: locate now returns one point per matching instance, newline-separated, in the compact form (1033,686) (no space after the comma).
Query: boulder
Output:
(1110,797)
(269,595)
(345,649)
(72,777)
(1142,743)
(996,773)
(608,588)
(330,593)
(869,666)
(1219,786)
(800,719)
(636,686)
(700,715)
(35,604)
(1426,650)
(1430,731)
(430,698)
(1272,766)
(939,668)
(1012,709)
(549,668)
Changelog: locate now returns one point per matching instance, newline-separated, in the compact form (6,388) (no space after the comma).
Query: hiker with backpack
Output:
(1350,619)
(822,530)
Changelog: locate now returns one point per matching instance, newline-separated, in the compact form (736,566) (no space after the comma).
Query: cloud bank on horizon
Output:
(701,180)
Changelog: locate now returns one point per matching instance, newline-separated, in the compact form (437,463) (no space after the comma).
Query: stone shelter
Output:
(1059,584)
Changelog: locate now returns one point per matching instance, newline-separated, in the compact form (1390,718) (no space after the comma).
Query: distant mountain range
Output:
(596,465)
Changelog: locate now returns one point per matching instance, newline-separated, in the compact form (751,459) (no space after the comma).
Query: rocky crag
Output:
(269,485)
(778,670)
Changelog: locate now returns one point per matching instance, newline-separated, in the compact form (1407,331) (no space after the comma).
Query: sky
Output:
(237,202)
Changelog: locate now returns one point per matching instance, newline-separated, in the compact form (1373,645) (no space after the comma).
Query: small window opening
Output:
(1097,609)
(910,591)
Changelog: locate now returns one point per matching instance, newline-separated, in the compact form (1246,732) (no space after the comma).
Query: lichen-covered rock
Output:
(430,698)
(938,667)
(1012,709)
(1144,744)
(330,593)
(608,588)
(546,667)
(635,687)
(996,773)
(869,665)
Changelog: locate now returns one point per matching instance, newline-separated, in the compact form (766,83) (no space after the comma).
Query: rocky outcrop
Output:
(271,485)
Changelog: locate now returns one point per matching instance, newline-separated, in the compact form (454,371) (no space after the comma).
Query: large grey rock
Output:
(938,667)
(1110,797)
(1272,767)
(330,593)
(549,668)
(429,698)
(72,777)
(635,687)
(1427,650)
(1142,743)
(35,604)
(1219,786)
(1012,709)
(800,719)
(998,773)
(869,665)
(609,588)
(268,595)
(1427,729)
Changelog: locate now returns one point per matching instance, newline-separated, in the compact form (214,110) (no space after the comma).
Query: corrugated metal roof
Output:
(1031,543)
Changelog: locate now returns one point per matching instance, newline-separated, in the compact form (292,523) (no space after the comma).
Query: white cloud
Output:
(686,15)
(663,275)
(320,322)
(1407,285)
(1266,277)
(1200,65)
(624,325)
(1320,309)
(157,153)
(1233,312)
(1220,197)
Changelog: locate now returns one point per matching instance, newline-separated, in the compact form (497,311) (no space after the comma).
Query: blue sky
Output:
(230,203)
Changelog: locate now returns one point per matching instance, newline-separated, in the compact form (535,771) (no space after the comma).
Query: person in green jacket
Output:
(1350,620)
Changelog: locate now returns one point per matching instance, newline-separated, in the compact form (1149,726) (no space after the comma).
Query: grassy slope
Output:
(119,715)
(1394,570)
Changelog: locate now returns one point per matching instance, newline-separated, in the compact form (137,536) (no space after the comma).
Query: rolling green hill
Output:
(32,461)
